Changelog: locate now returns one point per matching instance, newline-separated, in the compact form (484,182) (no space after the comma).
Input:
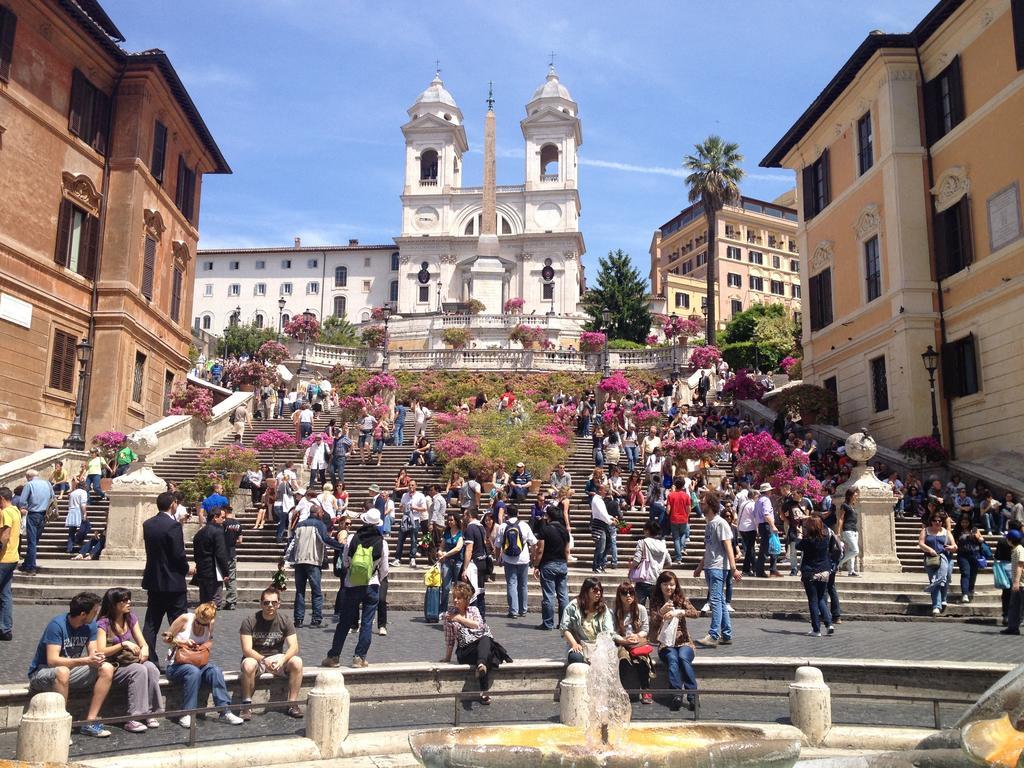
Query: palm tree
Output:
(714,179)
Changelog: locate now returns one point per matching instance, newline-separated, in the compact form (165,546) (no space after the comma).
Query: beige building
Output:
(910,164)
(758,258)
(102,155)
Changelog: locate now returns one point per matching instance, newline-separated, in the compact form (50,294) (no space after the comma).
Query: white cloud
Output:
(631,168)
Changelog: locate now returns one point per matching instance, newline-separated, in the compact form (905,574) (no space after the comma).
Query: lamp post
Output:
(385,312)
(308,315)
(75,441)
(931,363)
(280,317)
(439,285)
(606,317)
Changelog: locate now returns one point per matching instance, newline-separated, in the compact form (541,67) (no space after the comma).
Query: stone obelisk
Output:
(487,272)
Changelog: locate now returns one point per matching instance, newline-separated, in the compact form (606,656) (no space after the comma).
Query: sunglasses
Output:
(628,593)
(270,602)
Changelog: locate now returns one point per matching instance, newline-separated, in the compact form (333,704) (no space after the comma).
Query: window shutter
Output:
(156,163)
(91,239)
(148,266)
(60,254)
(956,90)
(941,250)
(963,213)
(100,121)
(808,191)
(932,110)
(176,294)
(826,297)
(62,361)
(179,185)
(78,98)
(8,21)
(952,384)
(1017,16)
(826,177)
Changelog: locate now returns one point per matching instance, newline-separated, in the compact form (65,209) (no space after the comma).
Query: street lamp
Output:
(280,317)
(309,317)
(439,285)
(931,363)
(606,317)
(385,313)
(75,441)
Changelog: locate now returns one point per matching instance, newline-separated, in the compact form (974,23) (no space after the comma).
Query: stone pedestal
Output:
(132,500)
(327,713)
(877,529)
(45,730)
(573,697)
(810,704)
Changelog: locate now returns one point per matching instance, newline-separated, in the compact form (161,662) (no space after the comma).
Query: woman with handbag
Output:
(815,570)
(119,638)
(450,557)
(650,558)
(670,608)
(1001,566)
(191,638)
(636,668)
(584,619)
(938,546)
(969,556)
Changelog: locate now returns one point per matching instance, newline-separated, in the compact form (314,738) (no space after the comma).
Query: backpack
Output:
(512,541)
(360,567)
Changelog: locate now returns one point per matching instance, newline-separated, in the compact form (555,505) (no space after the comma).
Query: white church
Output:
(459,245)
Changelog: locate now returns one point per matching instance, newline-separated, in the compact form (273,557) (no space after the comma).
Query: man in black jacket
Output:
(166,569)
(210,551)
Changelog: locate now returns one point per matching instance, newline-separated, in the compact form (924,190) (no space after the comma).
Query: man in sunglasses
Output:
(269,644)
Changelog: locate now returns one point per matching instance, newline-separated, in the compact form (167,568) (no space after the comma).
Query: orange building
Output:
(910,164)
(102,154)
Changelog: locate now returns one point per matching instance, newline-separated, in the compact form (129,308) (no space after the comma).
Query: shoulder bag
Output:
(199,657)
(642,571)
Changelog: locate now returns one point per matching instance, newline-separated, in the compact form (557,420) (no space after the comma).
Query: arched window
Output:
(549,163)
(393,294)
(207,322)
(394,261)
(470,227)
(339,306)
(428,166)
(340,277)
(506,228)
(285,318)
(258,320)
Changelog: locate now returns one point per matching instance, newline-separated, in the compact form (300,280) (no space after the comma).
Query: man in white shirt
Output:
(414,510)
(515,542)
(649,443)
(306,416)
(600,528)
(747,527)
(764,516)
(422,414)
(438,511)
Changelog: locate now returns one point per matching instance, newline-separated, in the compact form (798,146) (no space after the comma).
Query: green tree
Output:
(761,336)
(713,180)
(339,332)
(621,290)
(243,339)
(743,324)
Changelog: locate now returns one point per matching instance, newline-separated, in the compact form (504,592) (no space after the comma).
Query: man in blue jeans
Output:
(719,559)
(362,585)
(10,534)
(311,541)
(516,541)
(35,500)
(764,516)
(401,409)
(550,561)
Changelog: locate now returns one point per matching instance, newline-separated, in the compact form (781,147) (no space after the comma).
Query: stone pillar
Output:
(132,500)
(810,704)
(573,698)
(45,730)
(327,713)
(877,525)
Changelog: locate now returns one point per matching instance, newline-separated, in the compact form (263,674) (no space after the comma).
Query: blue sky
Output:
(306,98)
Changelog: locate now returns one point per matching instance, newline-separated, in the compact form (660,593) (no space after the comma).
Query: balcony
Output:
(754,239)
(549,177)
(499,188)
(428,182)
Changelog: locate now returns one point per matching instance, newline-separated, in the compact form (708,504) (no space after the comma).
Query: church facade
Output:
(458,244)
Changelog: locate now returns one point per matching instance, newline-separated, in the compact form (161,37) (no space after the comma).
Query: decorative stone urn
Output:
(877,527)
(132,500)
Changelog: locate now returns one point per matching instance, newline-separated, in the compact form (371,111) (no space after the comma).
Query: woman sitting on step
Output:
(466,633)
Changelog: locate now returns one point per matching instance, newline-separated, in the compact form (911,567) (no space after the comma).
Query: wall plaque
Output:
(15,310)
(1004,224)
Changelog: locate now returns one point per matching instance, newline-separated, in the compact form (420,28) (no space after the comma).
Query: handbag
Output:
(644,570)
(1001,574)
(982,562)
(933,561)
(125,657)
(774,544)
(199,657)
(646,649)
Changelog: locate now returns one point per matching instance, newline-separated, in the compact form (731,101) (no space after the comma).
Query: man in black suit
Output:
(210,551)
(167,567)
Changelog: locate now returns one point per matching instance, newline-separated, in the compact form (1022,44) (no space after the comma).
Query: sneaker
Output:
(646,698)
(331,661)
(729,608)
(708,642)
(677,703)
(134,726)
(152,723)
(412,563)
(185,721)
(812,633)
(230,718)
(936,612)
(831,629)
(97,730)
(966,599)
(294,711)
(706,608)
(395,563)
(359,662)
(725,641)
(383,631)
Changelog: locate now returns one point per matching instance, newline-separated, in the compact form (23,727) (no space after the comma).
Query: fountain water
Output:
(607,701)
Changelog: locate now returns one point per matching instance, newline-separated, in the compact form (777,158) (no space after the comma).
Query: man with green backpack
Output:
(365,559)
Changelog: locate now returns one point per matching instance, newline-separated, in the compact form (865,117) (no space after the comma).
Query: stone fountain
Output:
(606,738)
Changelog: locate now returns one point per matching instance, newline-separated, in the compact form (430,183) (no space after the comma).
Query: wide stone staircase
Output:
(869,596)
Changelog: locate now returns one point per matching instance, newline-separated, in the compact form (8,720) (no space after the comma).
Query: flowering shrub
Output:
(373,336)
(651,340)
(454,445)
(760,455)
(190,400)
(694,449)
(254,373)
(743,387)
(592,341)
(377,313)
(456,338)
(229,460)
(273,352)
(377,407)
(925,449)
(475,306)
(787,363)
(705,357)
(273,440)
(312,439)
(528,335)
(513,306)
(806,485)
(447,422)
(675,326)
(303,328)
(337,375)
(109,442)
(616,384)
(643,418)
(350,408)
(378,384)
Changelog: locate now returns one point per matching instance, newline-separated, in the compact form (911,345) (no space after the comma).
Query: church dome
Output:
(436,93)
(552,88)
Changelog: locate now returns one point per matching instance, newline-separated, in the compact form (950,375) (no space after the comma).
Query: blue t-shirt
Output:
(214,501)
(73,642)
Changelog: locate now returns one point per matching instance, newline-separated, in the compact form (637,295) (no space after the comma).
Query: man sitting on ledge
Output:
(269,644)
(67,660)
